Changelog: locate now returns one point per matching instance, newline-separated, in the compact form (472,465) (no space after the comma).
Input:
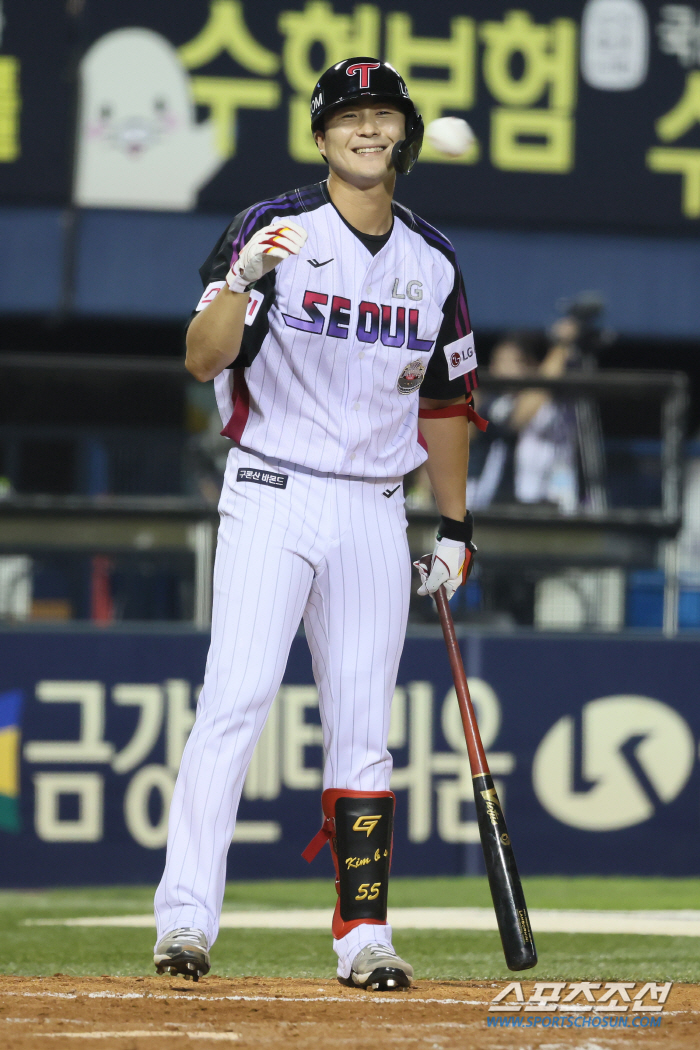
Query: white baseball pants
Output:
(333,550)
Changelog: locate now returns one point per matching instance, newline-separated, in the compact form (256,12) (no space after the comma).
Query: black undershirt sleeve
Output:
(437,383)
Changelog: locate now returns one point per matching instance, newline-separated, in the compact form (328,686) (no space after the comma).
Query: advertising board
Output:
(585,114)
(592,743)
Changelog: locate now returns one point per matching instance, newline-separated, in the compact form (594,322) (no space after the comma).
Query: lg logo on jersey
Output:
(374,321)
(414,290)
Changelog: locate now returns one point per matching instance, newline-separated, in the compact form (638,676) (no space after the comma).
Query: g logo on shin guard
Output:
(367,823)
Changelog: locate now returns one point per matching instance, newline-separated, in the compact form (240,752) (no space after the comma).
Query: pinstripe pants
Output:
(333,550)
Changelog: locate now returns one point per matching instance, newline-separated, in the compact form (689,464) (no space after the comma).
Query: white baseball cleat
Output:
(183,951)
(379,968)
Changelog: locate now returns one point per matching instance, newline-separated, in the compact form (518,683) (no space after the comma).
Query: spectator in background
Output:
(528,453)
(491,467)
(546,467)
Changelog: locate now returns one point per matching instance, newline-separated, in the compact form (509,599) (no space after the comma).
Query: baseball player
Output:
(329,315)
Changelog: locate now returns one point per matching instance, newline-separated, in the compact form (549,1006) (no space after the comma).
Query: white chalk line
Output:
(248,998)
(216,1036)
(132,1033)
(394,998)
(670,923)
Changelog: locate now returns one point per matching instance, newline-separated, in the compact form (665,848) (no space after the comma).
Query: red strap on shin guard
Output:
(319,841)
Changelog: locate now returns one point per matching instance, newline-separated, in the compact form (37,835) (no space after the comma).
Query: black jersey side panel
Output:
(437,383)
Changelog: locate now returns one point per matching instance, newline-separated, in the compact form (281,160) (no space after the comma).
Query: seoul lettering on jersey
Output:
(368,328)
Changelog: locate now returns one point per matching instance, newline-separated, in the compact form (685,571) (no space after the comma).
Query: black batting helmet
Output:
(346,82)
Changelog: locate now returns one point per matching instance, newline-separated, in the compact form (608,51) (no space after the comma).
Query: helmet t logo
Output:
(363,69)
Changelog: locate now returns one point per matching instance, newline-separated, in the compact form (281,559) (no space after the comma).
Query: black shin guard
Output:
(360,827)
(363,832)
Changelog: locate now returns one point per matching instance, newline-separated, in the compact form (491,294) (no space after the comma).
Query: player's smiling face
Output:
(357,140)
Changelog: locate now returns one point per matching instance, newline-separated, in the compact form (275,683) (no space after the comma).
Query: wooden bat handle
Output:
(475,749)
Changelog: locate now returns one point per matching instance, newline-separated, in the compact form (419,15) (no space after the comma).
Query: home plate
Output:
(649,923)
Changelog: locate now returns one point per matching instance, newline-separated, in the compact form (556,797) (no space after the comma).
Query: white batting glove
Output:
(446,568)
(451,560)
(264,251)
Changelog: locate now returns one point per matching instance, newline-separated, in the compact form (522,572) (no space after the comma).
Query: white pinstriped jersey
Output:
(338,342)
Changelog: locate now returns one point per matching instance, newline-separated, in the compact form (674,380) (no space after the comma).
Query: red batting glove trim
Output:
(467,564)
(437,558)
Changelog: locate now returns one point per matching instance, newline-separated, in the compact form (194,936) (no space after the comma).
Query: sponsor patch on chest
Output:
(262,477)
(411,377)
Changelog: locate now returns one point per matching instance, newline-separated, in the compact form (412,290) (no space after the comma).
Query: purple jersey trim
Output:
(286,202)
(462,323)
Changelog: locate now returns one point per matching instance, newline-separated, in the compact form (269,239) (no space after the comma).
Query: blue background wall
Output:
(144,265)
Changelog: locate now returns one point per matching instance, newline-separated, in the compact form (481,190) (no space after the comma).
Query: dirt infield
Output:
(143,1013)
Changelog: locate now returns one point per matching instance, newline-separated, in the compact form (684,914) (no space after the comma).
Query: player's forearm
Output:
(214,336)
(448,461)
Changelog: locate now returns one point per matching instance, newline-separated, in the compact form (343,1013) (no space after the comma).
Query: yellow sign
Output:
(10,104)
(674,160)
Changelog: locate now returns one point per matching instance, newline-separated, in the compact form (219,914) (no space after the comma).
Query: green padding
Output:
(9,814)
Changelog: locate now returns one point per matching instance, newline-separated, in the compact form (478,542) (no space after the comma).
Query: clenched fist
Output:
(264,251)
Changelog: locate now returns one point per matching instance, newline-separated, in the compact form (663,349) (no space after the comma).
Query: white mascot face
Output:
(139,145)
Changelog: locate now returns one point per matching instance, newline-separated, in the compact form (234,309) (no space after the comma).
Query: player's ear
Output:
(320,140)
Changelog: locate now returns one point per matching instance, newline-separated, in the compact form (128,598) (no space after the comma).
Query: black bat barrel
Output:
(506,890)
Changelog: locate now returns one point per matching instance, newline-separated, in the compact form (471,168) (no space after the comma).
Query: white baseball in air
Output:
(450,135)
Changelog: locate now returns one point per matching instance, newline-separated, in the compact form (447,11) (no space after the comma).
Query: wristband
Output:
(461,531)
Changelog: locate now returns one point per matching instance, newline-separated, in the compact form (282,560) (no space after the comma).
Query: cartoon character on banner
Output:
(138,143)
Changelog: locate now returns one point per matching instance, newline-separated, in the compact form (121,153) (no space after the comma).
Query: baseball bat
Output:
(504,881)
